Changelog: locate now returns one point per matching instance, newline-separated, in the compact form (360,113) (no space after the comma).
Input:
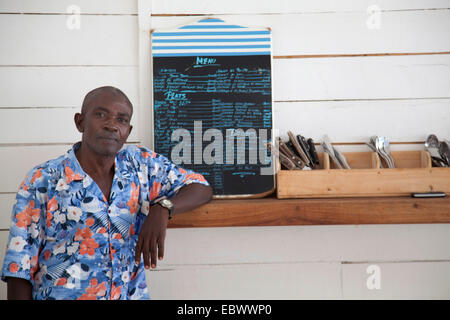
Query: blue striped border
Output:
(209,54)
(210,20)
(211,47)
(224,33)
(211,40)
(212,27)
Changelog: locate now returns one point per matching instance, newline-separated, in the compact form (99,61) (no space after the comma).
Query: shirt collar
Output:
(72,167)
(76,172)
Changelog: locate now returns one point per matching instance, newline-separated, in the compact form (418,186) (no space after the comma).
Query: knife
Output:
(298,148)
(302,141)
(283,148)
(312,151)
(285,161)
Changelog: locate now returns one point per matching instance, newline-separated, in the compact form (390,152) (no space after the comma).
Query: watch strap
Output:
(170,208)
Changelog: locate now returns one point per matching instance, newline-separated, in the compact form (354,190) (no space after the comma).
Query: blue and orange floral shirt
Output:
(71,242)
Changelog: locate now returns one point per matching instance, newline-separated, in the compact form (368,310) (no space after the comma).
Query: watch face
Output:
(166,203)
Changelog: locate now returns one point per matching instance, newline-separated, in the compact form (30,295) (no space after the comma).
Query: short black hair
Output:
(105,89)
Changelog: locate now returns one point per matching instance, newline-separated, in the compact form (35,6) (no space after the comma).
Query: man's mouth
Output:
(108,138)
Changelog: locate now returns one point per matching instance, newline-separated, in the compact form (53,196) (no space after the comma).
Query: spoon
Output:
(387,149)
(432,145)
(328,148)
(373,145)
(444,150)
(379,146)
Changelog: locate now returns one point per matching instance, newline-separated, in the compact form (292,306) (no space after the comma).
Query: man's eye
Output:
(123,120)
(100,114)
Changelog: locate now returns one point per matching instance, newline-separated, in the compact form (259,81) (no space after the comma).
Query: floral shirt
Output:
(71,242)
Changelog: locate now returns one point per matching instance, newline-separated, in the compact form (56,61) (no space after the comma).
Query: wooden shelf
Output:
(332,211)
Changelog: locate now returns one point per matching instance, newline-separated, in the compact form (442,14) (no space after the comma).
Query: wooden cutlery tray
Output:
(413,174)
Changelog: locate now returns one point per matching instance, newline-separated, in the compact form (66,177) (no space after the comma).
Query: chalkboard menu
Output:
(212,104)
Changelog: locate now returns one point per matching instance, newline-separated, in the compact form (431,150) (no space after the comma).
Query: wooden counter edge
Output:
(329,211)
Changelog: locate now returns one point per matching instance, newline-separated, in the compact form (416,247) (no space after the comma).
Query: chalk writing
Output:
(233,95)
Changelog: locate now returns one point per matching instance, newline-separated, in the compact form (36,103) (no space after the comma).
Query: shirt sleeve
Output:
(21,258)
(166,178)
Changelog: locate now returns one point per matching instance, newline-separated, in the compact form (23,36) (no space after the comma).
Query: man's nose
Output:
(110,124)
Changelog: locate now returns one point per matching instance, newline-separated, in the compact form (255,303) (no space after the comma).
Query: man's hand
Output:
(19,289)
(153,231)
(152,236)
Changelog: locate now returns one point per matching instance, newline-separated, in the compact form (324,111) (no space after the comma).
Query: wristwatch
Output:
(166,203)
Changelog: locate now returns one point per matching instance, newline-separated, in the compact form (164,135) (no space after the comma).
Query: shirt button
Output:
(109,210)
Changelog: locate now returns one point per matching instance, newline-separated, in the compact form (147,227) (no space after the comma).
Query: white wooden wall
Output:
(332,74)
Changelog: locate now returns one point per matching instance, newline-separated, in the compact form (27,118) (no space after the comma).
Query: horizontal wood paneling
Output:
(259,281)
(343,32)
(356,121)
(62,86)
(361,78)
(195,277)
(358,243)
(3,242)
(17,161)
(7,201)
(285,6)
(101,40)
(44,126)
(411,280)
(272,262)
(60,6)
(38,125)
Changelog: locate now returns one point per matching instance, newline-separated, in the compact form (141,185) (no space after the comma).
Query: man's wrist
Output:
(167,204)
(159,210)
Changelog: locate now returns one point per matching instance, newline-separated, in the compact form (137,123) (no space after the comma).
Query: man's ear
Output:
(79,121)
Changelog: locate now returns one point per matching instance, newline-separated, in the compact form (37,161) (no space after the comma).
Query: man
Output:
(82,221)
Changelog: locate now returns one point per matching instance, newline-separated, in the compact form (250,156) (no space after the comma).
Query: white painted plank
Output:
(3,242)
(62,86)
(285,6)
(356,121)
(361,243)
(61,6)
(7,201)
(47,40)
(17,161)
(413,280)
(38,125)
(294,79)
(361,78)
(364,148)
(343,32)
(254,281)
(145,73)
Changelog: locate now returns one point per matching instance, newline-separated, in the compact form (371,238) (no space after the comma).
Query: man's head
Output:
(104,120)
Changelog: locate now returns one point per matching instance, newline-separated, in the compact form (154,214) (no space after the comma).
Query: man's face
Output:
(105,124)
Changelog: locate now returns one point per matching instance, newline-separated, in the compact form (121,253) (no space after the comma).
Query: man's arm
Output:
(153,232)
(190,197)
(18,289)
